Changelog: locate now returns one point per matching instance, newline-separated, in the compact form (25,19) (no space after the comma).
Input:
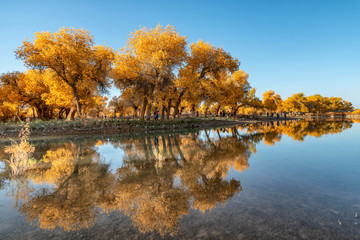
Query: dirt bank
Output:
(120,126)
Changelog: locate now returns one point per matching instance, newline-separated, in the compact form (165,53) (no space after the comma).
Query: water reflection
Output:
(162,177)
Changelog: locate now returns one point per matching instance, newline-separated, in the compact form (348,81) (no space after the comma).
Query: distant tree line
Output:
(300,103)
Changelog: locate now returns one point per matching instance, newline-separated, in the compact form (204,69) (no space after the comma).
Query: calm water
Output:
(299,180)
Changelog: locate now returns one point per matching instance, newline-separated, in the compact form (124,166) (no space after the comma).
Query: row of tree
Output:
(156,69)
(40,94)
(300,103)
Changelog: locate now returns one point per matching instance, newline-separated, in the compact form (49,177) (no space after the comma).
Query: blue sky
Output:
(287,46)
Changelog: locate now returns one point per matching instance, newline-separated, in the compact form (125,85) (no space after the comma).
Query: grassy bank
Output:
(104,126)
(125,126)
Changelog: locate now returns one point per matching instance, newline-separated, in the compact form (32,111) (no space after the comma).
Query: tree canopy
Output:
(72,56)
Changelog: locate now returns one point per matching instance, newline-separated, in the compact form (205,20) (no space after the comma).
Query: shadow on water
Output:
(162,177)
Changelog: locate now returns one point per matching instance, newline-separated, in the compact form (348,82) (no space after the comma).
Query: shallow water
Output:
(293,180)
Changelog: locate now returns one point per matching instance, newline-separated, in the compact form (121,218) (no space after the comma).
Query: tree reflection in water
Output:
(161,179)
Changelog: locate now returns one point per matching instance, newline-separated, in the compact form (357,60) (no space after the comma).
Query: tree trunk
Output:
(163,112)
(41,115)
(38,111)
(142,116)
(217,110)
(177,104)
(193,110)
(67,110)
(60,113)
(151,98)
(232,111)
(51,113)
(168,109)
(135,112)
(78,108)
(148,111)
(77,101)
(71,114)
(236,109)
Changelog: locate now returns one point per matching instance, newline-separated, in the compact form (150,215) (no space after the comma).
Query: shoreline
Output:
(128,127)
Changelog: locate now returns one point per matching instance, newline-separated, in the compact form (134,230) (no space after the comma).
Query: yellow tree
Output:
(132,98)
(72,55)
(11,98)
(317,103)
(337,103)
(95,106)
(236,89)
(117,106)
(60,94)
(22,91)
(295,103)
(204,64)
(34,87)
(252,100)
(149,61)
(251,103)
(271,101)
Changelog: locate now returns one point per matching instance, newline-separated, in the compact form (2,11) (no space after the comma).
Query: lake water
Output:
(287,180)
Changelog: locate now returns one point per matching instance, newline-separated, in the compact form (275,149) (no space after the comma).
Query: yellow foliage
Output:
(72,56)
(62,165)
(356,112)
(271,101)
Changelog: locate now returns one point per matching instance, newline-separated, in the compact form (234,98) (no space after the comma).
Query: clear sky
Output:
(309,46)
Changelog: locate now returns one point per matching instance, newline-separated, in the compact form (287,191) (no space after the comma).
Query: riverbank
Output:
(330,115)
(128,127)
(122,126)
